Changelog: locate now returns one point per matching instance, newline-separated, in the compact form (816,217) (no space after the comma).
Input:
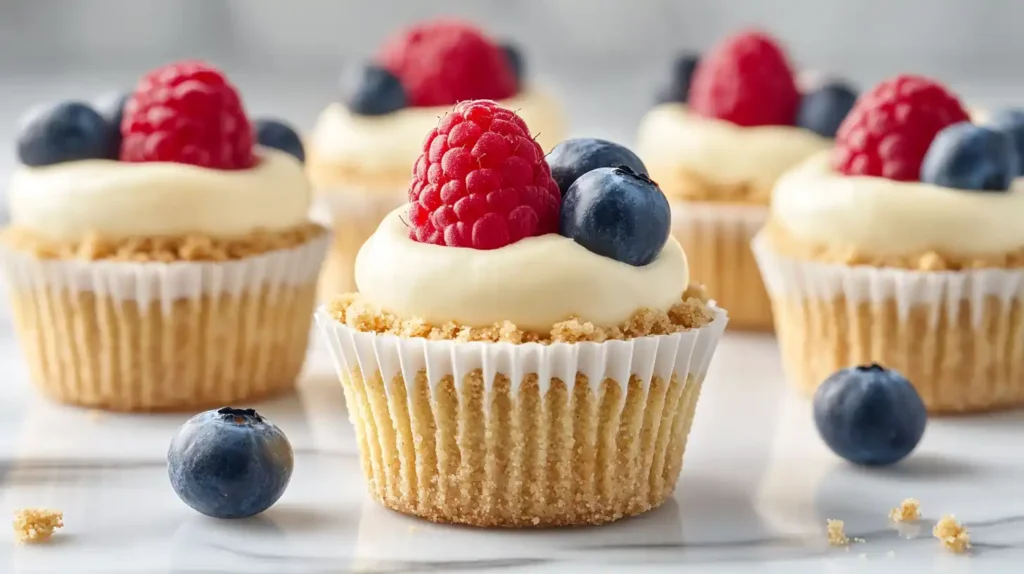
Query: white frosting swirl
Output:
(891,217)
(119,199)
(719,151)
(392,142)
(534,283)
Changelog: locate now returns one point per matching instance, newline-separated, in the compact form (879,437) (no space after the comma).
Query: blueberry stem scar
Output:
(873,367)
(239,416)
(626,170)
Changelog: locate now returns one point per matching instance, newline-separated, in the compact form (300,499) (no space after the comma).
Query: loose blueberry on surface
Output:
(966,156)
(515,61)
(575,157)
(376,92)
(617,213)
(279,135)
(67,131)
(1011,122)
(869,415)
(823,109)
(229,463)
(678,88)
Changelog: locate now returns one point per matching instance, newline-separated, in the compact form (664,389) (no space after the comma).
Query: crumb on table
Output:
(836,536)
(908,511)
(952,534)
(36,524)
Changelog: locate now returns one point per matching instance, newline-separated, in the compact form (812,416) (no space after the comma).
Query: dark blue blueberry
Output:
(229,463)
(678,88)
(823,109)
(376,92)
(573,158)
(111,107)
(869,415)
(67,131)
(515,61)
(279,135)
(1012,123)
(966,156)
(617,213)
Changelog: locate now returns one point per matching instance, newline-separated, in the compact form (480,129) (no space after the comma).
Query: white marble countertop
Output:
(756,490)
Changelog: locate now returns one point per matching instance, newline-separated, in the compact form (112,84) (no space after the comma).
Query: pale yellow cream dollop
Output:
(719,151)
(534,283)
(392,142)
(119,199)
(890,217)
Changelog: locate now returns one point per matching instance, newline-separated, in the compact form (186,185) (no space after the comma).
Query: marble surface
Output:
(756,490)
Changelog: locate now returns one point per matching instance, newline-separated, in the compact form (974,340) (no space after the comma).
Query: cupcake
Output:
(361,149)
(903,247)
(157,258)
(515,358)
(726,127)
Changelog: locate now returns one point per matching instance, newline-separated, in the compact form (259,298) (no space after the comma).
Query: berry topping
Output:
(187,112)
(1011,122)
(442,62)
(823,109)
(279,135)
(889,129)
(229,463)
(678,88)
(481,181)
(377,92)
(111,107)
(515,61)
(617,213)
(747,81)
(966,156)
(869,415)
(573,158)
(67,131)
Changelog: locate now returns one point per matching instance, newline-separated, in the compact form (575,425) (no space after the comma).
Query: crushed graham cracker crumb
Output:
(193,247)
(33,525)
(691,312)
(783,242)
(908,511)
(952,534)
(836,535)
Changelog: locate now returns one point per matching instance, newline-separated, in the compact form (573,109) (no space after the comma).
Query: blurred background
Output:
(604,58)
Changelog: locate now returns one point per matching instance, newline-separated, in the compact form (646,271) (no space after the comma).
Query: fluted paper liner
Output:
(164,336)
(499,434)
(716,237)
(957,335)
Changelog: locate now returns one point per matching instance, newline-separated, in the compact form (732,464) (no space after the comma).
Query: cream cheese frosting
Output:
(115,199)
(534,283)
(392,142)
(891,217)
(719,151)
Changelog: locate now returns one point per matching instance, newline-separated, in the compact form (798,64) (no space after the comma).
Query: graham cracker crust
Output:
(513,457)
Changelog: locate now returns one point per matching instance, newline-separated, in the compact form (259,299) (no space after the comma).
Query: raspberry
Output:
(890,128)
(481,181)
(442,62)
(187,112)
(747,81)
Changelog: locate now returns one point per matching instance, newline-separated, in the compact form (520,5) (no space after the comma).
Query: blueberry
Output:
(966,156)
(67,131)
(377,92)
(869,415)
(111,107)
(824,108)
(1012,123)
(617,213)
(573,158)
(279,135)
(229,463)
(678,88)
(515,61)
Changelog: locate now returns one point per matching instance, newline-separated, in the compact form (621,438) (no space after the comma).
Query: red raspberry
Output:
(747,81)
(890,128)
(187,112)
(442,62)
(481,181)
